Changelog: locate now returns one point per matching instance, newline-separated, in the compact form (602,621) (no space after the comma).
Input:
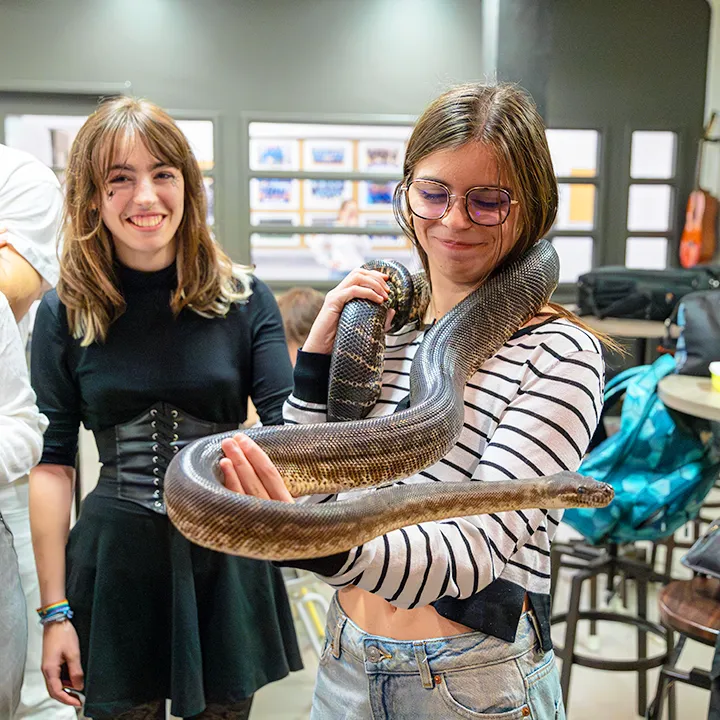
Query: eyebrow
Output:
(156,166)
(448,185)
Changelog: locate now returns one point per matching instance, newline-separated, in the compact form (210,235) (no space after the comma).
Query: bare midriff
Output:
(376,616)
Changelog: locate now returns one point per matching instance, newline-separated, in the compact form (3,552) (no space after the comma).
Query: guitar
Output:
(698,240)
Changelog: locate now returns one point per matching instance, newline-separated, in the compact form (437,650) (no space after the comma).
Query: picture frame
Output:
(326,194)
(381,156)
(274,194)
(274,154)
(376,195)
(328,155)
(320,219)
(381,220)
(274,219)
(260,240)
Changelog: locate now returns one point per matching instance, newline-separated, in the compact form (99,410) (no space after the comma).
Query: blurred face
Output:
(142,207)
(460,252)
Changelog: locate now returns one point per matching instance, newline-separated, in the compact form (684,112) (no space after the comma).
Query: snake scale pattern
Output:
(361,452)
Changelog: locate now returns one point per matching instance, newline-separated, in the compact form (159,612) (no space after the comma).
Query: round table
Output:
(691,395)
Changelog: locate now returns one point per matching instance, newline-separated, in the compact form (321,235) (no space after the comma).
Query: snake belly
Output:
(331,457)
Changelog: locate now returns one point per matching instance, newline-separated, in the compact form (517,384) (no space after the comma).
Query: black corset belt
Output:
(136,454)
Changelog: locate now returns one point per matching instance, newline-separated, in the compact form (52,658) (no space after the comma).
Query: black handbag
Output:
(704,556)
(620,292)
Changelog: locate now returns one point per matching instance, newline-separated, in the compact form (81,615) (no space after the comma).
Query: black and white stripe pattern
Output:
(529,411)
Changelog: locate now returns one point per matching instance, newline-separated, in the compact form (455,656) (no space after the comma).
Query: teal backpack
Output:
(661,471)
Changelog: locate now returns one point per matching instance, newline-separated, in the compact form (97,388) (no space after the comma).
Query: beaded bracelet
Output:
(57,612)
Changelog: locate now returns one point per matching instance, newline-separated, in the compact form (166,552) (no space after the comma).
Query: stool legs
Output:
(571,633)
(666,685)
(641,584)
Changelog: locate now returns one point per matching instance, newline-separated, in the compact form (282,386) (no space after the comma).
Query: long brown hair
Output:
(504,118)
(207,281)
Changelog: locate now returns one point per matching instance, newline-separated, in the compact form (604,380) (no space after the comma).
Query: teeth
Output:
(146,220)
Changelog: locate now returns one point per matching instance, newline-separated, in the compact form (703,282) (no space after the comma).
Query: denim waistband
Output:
(387,655)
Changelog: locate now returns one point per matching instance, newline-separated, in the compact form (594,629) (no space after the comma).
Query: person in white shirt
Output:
(21,429)
(30,212)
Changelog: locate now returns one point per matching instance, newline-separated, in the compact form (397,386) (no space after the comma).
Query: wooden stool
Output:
(691,608)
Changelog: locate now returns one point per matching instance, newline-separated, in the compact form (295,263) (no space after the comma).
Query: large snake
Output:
(335,456)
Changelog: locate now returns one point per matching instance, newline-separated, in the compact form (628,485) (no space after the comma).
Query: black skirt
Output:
(158,617)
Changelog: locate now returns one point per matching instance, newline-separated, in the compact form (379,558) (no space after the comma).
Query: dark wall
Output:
(354,56)
(618,66)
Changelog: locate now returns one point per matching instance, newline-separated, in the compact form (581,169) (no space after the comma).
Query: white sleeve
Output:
(21,424)
(31,209)
(544,430)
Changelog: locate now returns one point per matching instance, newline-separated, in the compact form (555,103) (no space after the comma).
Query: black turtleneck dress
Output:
(156,615)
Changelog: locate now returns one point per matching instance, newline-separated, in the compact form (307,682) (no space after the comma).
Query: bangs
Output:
(116,141)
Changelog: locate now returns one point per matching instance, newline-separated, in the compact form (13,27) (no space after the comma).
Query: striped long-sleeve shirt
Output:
(529,411)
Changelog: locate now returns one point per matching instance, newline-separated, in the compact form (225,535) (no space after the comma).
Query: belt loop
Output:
(536,628)
(423,665)
(337,632)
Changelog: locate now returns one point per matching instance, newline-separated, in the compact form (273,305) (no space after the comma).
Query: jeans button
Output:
(373,654)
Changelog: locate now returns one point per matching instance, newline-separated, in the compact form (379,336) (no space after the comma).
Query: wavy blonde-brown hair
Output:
(504,118)
(207,281)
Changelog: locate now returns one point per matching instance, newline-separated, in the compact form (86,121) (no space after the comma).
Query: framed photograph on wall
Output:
(328,155)
(274,194)
(382,156)
(376,195)
(383,220)
(326,194)
(275,219)
(269,154)
(258,240)
(320,219)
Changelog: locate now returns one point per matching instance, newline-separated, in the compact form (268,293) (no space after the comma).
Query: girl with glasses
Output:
(152,339)
(451,619)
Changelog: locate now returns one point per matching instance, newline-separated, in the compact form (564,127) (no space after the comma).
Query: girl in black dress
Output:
(152,339)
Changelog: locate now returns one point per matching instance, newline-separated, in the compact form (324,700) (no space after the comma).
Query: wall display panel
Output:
(649,208)
(326,194)
(576,207)
(381,156)
(646,253)
(384,220)
(200,135)
(319,201)
(328,191)
(576,256)
(376,195)
(320,219)
(574,152)
(47,137)
(274,154)
(327,155)
(653,154)
(274,194)
(324,256)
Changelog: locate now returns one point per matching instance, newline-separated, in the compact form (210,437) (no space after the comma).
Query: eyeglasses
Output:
(431,200)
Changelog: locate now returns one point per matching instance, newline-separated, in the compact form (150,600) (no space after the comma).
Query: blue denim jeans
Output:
(366,677)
